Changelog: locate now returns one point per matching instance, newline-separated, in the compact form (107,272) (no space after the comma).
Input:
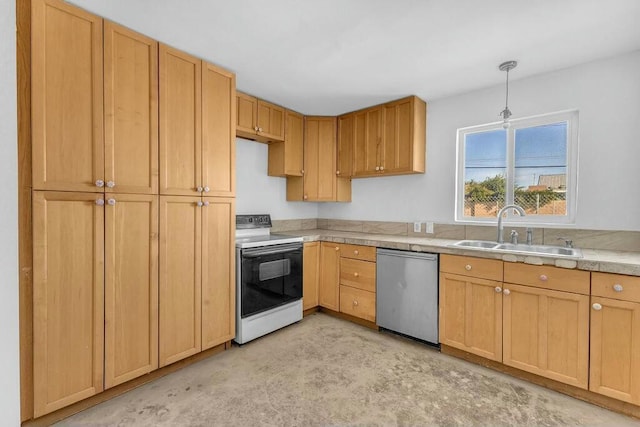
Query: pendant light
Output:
(506,113)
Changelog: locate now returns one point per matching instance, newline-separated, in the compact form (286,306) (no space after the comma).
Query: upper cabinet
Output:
(131,111)
(67,104)
(388,139)
(196,126)
(286,158)
(346,135)
(319,182)
(259,120)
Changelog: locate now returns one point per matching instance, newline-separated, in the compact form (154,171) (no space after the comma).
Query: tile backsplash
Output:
(585,239)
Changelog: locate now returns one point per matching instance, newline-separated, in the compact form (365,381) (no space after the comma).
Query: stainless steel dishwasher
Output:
(407,293)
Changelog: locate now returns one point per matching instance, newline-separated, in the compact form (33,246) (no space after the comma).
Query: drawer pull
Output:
(544,277)
(355,303)
(498,289)
(355,274)
(618,287)
(467,267)
(356,252)
(507,292)
(597,307)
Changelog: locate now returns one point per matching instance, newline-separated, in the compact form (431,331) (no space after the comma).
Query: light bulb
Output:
(506,124)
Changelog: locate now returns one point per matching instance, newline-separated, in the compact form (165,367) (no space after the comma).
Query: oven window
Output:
(270,279)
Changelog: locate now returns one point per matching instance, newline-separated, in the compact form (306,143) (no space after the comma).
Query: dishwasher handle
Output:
(407,254)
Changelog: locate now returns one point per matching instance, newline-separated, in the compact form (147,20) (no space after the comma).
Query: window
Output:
(532,164)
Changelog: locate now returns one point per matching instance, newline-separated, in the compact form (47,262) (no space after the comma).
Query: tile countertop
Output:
(593,259)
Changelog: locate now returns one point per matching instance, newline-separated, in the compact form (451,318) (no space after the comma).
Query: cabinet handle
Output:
(337,172)
(99,183)
(381,168)
(597,307)
(111,184)
(377,168)
(259,129)
(205,204)
(498,289)
(256,128)
(302,171)
(467,267)
(355,303)
(199,189)
(111,202)
(199,204)
(337,248)
(506,292)
(618,287)
(305,197)
(355,274)
(100,202)
(356,252)
(206,189)
(544,277)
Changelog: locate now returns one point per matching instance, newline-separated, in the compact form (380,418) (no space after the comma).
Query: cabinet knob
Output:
(99,183)
(544,277)
(377,168)
(618,287)
(355,274)
(305,197)
(337,248)
(111,202)
(199,189)
(256,128)
(205,204)
(302,171)
(506,292)
(199,204)
(337,172)
(381,168)
(498,289)
(111,184)
(356,252)
(100,202)
(467,267)
(597,307)
(355,303)
(259,129)
(206,189)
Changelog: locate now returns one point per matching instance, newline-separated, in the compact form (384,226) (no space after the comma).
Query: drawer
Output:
(358,274)
(365,253)
(469,266)
(547,277)
(358,303)
(616,286)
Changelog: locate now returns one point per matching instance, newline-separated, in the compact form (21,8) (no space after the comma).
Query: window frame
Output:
(571,117)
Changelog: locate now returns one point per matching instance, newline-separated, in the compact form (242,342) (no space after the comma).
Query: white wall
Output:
(256,192)
(607,95)
(9,350)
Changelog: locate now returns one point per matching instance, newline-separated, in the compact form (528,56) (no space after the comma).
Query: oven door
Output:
(270,276)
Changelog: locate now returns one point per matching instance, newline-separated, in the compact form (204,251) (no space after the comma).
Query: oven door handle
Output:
(265,251)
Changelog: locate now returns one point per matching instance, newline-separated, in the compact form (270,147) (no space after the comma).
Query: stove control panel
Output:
(253,221)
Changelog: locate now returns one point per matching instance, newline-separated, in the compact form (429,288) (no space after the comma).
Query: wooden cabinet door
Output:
(131,287)
(246,114)
(68,275)
(180,123)
(368,142)
(329,292)
(615,349)
(547,333)
(131,111)
(218,131)
(218,271)
(471,315)
(311,275)
(398,137)
(180,278)
(67,109)
(270,121)
(287,158)
(320,159)
(346,134)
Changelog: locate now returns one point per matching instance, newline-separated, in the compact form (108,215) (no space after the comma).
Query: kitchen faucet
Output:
(500,226)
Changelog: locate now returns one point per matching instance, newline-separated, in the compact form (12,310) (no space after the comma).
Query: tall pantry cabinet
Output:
(123,131)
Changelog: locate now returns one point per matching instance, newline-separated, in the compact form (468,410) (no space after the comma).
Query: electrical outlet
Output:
(429,227)
(417,227)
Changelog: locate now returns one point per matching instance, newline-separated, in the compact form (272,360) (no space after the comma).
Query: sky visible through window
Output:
(539,150)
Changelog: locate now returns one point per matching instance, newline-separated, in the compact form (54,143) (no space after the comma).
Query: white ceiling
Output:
(332,56)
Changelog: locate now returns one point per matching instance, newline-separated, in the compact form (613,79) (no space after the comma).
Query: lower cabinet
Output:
(615,337)
(329,292)
(311,275)
(196,272)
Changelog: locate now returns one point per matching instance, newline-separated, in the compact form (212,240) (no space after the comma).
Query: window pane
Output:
(485,158)
(541,169)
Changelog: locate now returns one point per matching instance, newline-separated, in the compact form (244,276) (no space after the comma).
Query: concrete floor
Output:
(326,371)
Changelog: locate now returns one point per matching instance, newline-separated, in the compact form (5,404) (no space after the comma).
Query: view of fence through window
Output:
(539,171)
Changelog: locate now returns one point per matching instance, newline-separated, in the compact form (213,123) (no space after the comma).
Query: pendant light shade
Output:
(506,113)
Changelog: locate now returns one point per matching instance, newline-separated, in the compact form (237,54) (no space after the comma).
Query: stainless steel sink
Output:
(540,250)
(478,244)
